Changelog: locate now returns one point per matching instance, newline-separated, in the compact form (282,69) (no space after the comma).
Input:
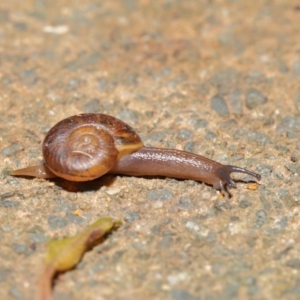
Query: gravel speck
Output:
(182,295)
(265,203)
(131,216)
(219,105)
(297,101)
(189,146)
(244,204)
(29,77)
(288,125)
(210,136)
(255,77)
(4,272)
(129,115)
(255,98)
(293,167)
(73,84)
(225,80)
(198,123)
(19,248)
(293,263)
(160,195)
(9,203)
(264,170)
(92,106)
(16,293)
(184,134)
(56,222)
(185,203)
(236,103)
(252,135)
(261,219)
(296,68)
(11,150)
(287,199)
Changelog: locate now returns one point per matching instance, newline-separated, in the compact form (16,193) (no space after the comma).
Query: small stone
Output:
(129,115)
(73,84)
(56,222)
(9,203)
(244,204)
(288,125)
(159,195)
(132,216)
(236,102)
(182,295)
(185,203)
(29,77)
(255,98)
(219,105)
(4,272)
(293,263)
(261,219)
(210,136)
(19,248)
(11,150)
(198,123)
(184,134)
(255,77)
(16,293)
(296,68)
(92,106)
(293,167)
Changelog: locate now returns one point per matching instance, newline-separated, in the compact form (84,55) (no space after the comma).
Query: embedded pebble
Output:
(218,104)
(293,167)
(244,204)
(255,77)
(29,77)
(296,68)
(255,98)
(92,106)
(11,150)
(261,219)
(210,136)
(293,263)
(19,248)
(252,135)
(185,203)
(4,272)
(160,195)
(225,80)
(182,295)
(56,222)
(198,123)
(16,293)
(129,115)
(131,216)
(288,125)
(10,203)
(235,102)
(184,134)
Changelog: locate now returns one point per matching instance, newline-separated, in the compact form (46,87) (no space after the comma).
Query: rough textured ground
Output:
(218,78)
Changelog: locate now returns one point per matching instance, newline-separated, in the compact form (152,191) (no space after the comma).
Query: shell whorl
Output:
(86,146)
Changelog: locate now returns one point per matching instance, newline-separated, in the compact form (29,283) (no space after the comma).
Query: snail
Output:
(87,146)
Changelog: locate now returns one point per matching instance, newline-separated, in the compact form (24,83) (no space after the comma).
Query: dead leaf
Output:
(63,255)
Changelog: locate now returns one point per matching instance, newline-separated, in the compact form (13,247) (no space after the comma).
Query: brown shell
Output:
(86,146)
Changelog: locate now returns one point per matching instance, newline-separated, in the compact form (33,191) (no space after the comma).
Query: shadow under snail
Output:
(87,146)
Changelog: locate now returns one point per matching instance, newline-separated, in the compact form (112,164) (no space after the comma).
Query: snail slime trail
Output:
(87,146)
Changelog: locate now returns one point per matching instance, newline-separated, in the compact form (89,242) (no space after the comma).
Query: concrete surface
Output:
(218,78)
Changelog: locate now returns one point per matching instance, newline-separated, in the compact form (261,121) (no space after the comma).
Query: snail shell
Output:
(86,146)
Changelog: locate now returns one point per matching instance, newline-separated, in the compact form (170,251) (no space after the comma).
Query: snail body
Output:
(87,146)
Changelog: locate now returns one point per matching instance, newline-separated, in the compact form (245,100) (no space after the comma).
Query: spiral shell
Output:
(86,146)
